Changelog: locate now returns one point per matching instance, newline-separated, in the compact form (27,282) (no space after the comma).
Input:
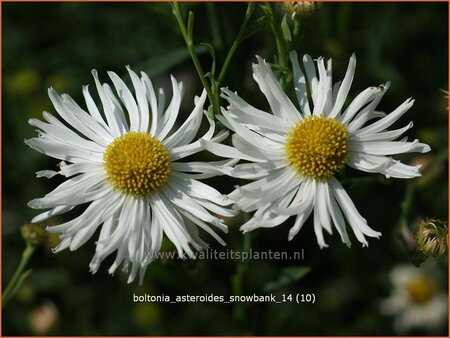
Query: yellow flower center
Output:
(420,290)
(137,164)
(317,147)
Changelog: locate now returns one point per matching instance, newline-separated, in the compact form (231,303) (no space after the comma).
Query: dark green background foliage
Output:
(57,44)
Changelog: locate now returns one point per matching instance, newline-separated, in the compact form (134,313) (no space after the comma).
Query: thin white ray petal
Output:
(93,110)
(141,100)
(384,135)
(344,88)
(186,133)
(58,210)
(108,108)
(171,114)
(357,222)
(151,97)
(299,80)
(389,147)
(279,102)
(127,99)
(387,121)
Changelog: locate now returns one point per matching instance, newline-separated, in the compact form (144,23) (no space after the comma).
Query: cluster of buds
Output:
(432,237)
(300,8)
(33,234)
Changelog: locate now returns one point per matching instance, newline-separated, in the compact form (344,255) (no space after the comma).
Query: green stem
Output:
(215,27)
(237,280)
(279,41)
(406,204)
(17,278)
(187,35)
(237,41)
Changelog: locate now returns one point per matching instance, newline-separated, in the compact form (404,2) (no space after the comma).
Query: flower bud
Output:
(300,8)
(33,234)
(432,237)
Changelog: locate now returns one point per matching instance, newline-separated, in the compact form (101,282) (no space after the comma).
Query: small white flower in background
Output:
(295,154)
(125,164)
(416,301)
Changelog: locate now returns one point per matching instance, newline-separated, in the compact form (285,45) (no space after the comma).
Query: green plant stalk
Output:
(280,43)
(237,41)
(230,54)
(237,280)
(215,27)
(18,276)
(187,35)
(405,205)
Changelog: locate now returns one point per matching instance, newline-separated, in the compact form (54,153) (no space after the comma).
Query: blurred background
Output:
(57,44)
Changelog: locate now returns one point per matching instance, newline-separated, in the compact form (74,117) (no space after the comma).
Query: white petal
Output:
(256,170)
(388,148)
(151,97)
(321,202)
(65,135)
(113,121)
(387,121)
(77,118)
(141,101)
(198,189)
(344,88)
(127,99)
(92,108)
(279,102)
(250,114)
(323,91)
(186,133)
(226,151)
(265,190)
(184,202)
(172,224)
(61,209)
(362,118)
(63,151)
(206,169)
(359,102)
(338,218)
(299,80)
(383,136)
(302,201)
(83,188)
(357,222)
(258,141)
(203,225)
(170,116)
(310,70)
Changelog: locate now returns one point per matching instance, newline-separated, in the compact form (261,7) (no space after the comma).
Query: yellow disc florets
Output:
(420,290)
(137,164)
(317,147)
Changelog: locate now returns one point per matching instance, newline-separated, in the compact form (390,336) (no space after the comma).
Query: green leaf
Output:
(211,51)
(254,27)
(288,276)
(286,30)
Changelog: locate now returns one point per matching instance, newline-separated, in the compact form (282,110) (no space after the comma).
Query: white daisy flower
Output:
(125,163)
(416,301)
(295,153)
